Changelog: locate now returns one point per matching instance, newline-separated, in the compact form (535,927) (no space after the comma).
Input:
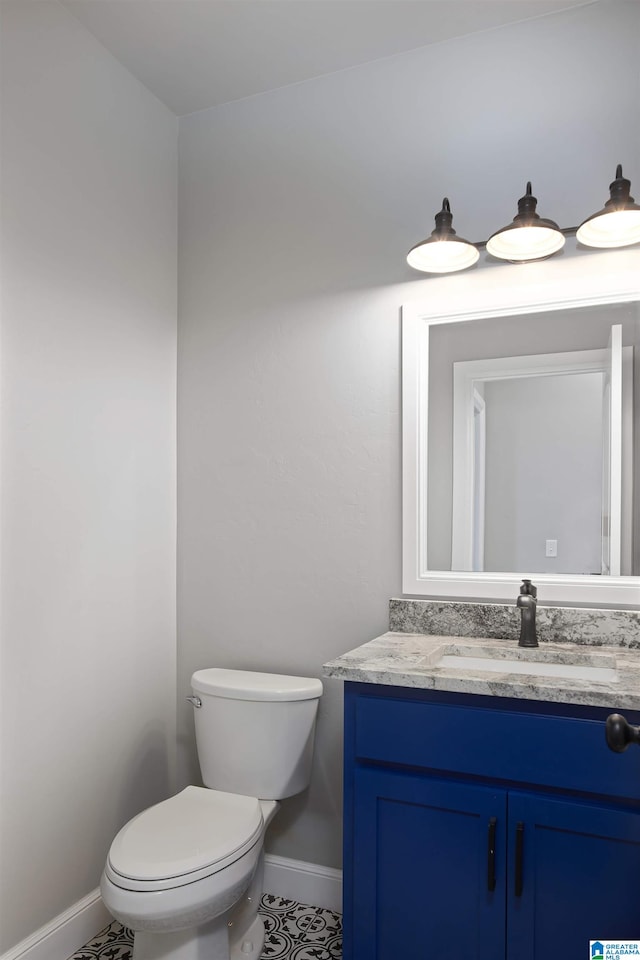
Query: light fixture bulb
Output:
(443,251)
(529,237)
(618,223)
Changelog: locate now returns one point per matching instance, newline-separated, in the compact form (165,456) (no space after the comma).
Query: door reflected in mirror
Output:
(530,444)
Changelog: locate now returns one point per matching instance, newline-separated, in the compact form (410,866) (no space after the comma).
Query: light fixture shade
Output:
(618,223)
(443,251)
(529,237)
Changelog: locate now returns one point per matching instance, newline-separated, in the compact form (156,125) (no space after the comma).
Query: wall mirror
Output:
(521,432)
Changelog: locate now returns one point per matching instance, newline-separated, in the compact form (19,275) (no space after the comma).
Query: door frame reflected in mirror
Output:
(469,449)
(582,280)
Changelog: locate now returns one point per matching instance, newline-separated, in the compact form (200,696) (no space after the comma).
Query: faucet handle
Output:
(528,589)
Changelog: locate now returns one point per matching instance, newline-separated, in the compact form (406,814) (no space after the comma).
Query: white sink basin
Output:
(492,662)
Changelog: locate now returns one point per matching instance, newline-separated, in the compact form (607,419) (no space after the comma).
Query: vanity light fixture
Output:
(443,251)
(618,223)
(530,236)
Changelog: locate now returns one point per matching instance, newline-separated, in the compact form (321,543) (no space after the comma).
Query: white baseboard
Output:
(304,882)
(66,933)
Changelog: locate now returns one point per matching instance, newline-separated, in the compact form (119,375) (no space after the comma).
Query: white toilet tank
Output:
(255,731)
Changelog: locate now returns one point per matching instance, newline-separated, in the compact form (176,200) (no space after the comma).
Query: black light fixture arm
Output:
(620,190)
(444,218)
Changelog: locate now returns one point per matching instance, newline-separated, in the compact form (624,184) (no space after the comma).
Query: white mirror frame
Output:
(565,283)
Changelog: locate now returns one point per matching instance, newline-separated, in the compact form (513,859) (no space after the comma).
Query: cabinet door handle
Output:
(620,734)
(519,857)
(491,855)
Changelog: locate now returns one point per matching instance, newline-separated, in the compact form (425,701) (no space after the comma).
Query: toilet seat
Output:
(189,837)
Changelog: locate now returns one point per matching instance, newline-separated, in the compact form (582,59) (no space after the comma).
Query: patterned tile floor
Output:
(294,931)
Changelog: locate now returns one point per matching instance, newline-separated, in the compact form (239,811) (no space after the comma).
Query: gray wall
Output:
(297,209)
(88,459)
(544,474)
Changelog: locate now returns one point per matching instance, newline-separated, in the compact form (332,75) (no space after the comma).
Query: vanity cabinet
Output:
(485,828)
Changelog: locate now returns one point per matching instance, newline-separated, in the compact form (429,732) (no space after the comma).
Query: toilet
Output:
(186,874)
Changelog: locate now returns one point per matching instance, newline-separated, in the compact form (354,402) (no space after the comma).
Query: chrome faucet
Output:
(527,603)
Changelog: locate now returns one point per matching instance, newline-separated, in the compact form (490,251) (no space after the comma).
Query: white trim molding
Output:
(66,933)
(564,284)
(304,882)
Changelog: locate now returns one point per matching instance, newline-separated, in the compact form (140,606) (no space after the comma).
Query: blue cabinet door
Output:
(425,880)
(579,876)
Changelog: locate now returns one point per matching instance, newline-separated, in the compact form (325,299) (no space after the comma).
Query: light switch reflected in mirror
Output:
(530,443)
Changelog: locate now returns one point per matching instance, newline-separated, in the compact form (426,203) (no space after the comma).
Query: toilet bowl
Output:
(186,874)
(186,862)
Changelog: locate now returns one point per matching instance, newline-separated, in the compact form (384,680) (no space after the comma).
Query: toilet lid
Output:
(196,829)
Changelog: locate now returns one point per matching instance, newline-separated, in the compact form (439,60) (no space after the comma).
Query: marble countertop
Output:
(413,660)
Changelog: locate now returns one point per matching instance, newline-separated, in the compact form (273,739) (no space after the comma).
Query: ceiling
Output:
(196,54)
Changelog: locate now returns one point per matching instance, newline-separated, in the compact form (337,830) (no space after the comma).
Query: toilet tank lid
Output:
(246,685)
